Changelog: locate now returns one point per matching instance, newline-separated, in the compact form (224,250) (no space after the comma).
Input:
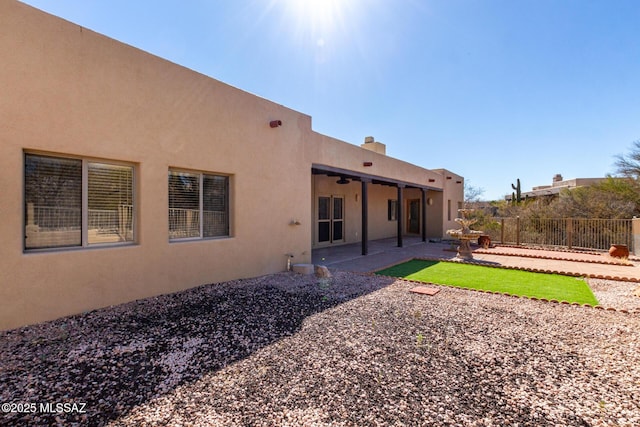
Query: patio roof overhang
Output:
(317,169)
(365,179)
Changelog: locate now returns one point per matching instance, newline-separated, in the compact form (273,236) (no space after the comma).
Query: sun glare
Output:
(318,13)
(318,21)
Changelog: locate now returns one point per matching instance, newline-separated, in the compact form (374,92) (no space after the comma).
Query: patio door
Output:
(330,219)
(413,216)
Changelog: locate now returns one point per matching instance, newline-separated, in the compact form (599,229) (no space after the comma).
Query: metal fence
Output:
(118,221)
(184,223)
(52,218)
(578,233)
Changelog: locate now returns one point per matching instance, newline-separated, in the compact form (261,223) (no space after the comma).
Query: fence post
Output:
(635,231)
(517,231)
(502,231)
(569,232)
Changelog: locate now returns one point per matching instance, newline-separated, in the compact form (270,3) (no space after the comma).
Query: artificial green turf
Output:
(515,282)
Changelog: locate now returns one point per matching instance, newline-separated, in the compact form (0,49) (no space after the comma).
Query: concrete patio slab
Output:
(384,253)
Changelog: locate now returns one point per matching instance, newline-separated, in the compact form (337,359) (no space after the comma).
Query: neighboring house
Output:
(558,184)
(125,176)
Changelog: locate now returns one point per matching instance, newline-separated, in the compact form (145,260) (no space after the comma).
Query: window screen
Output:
(184,205)
(198,205)
(392,210)
(110,203)
(324,207)
(337,208)
(215,212)
(58,214)
(53,202)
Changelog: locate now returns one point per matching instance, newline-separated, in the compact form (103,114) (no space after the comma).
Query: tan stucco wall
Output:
(435,214)
(330,151)
(453,189)
(69,91)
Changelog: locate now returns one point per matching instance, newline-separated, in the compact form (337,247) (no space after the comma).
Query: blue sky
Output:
(494,90)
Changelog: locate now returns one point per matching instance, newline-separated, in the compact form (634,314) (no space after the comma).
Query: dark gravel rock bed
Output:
(351,350)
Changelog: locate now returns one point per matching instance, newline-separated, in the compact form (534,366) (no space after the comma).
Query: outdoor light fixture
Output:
(342,180)
(275,123)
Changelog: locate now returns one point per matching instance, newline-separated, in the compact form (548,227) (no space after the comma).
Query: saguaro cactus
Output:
(517,196)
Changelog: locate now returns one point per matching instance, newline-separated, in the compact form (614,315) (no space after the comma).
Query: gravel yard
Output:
(352,350)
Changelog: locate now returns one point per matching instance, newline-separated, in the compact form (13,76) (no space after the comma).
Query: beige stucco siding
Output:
(453,190)
(330,151)
(70,92)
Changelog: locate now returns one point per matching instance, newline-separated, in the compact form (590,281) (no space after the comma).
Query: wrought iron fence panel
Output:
(598,234)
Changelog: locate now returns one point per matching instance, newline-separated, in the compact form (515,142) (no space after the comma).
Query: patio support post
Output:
(400,215)
(635,232)
(569,232)
(365,217)
(424,214)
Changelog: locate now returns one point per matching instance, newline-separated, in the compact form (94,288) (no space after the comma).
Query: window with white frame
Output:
(198,205)
(74,202)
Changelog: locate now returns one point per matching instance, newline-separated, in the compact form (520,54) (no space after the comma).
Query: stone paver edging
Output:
(632,257)
(558,258)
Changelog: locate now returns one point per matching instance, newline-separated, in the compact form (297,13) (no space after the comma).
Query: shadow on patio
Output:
(382,253)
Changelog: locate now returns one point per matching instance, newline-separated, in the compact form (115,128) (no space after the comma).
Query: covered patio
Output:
(411,224)
(382,253)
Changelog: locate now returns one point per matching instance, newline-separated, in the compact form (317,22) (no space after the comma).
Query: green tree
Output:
(629,165)
(472,194)
(612,198)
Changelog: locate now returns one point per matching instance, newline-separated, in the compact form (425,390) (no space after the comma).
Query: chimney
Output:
(371,144)
(557,178)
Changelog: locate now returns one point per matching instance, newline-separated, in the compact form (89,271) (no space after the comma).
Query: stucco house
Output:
(125,176)
(558,185)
